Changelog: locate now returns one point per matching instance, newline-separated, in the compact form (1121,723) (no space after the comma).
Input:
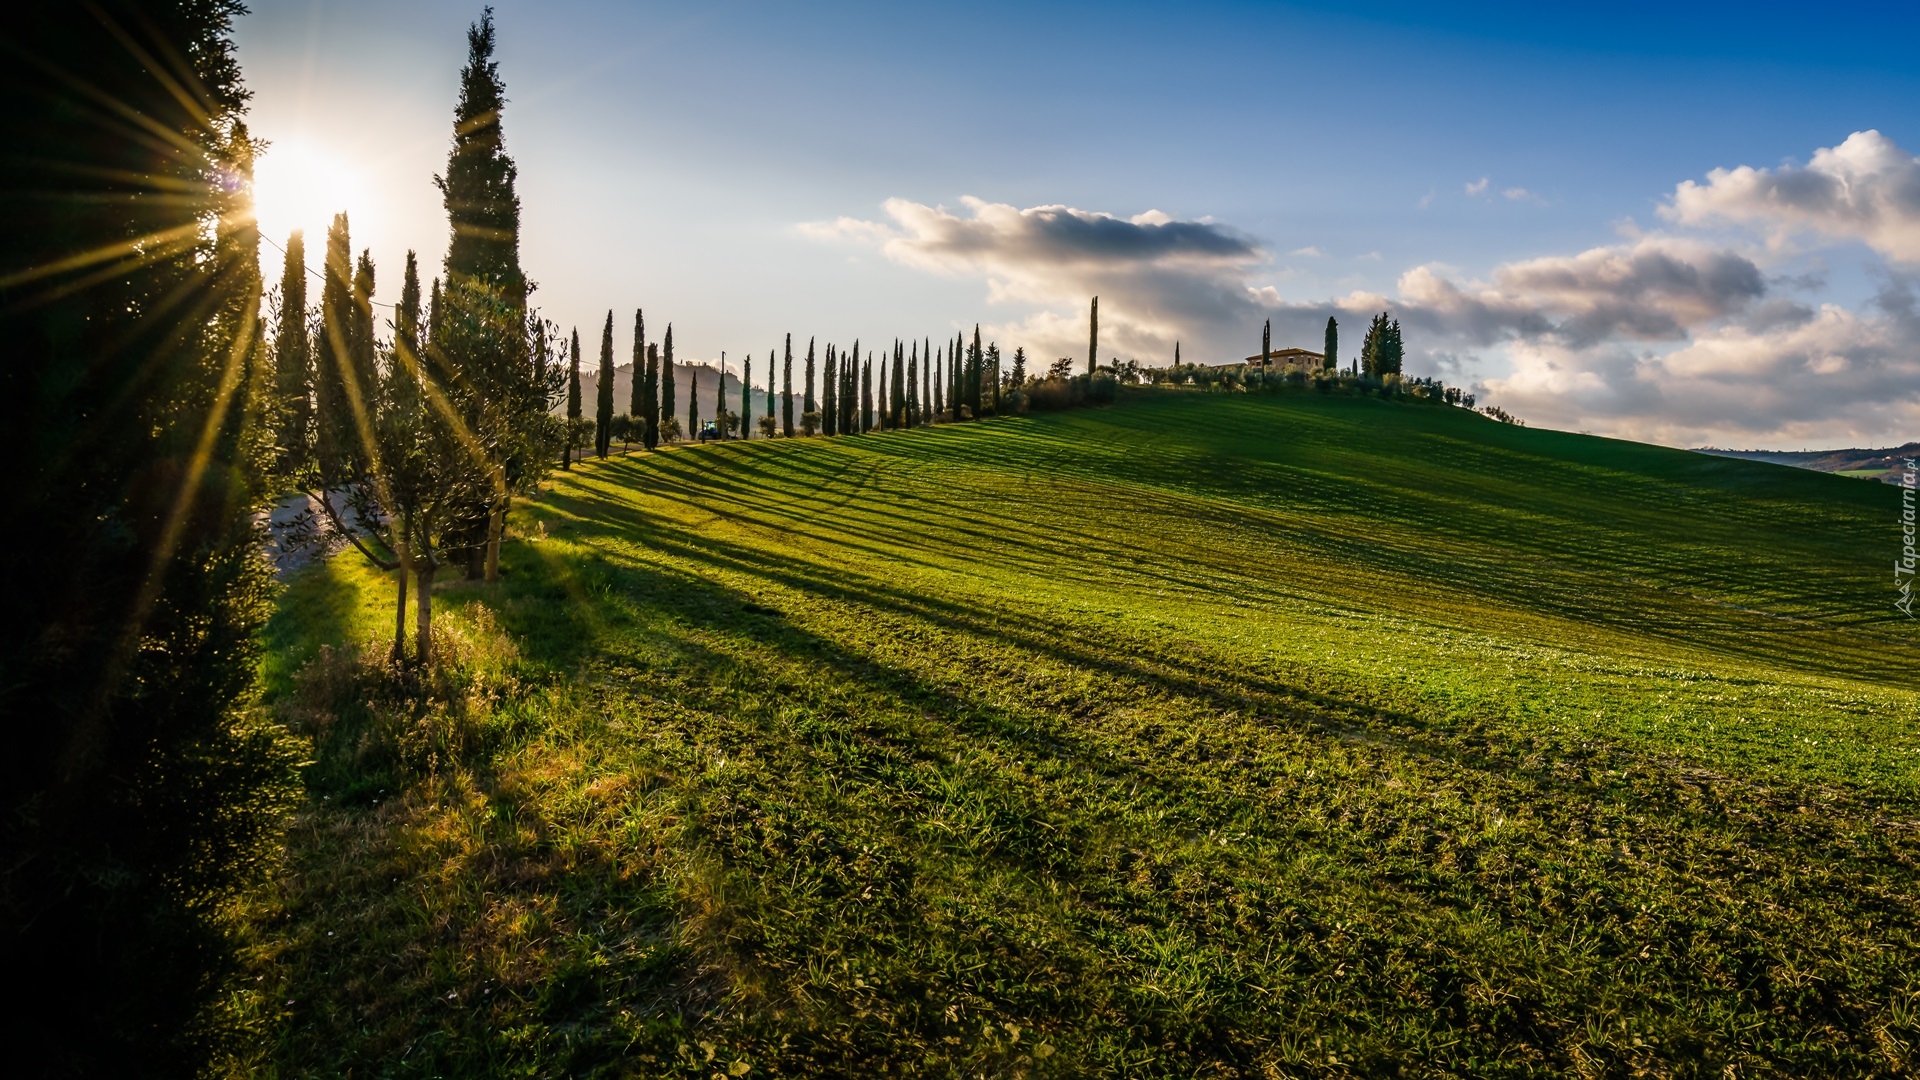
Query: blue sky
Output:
(1504,177)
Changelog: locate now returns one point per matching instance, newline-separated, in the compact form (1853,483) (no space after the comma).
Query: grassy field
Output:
(1197,736)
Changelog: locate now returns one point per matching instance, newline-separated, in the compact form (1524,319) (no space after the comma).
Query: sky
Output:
(1687,224)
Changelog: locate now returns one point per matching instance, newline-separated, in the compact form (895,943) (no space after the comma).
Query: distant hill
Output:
(683,376)
(1882,465)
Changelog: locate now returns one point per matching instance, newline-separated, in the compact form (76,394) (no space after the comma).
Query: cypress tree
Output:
(478,187)
(653,396)
(810,406)
(1176,354)
(573,398)
(883,417)
(993,358)
(1332,346)
(332,409)
(928,380)
(939,390)
(484,274)
(293,360)
(897,388)
(976,359)
(956,391)
(637,393)
(746,396)
(850,421)
(693,396)
(866,395)
(667,377)
(913,386)
(603,394)
(1266,344)
(786,387)
(142,786)
(1093,337)
(830,395)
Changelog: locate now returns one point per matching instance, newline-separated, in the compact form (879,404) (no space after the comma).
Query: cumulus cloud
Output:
(1866,189)
(1834,377)
(1156,275)
(1479,187)
(1520,194)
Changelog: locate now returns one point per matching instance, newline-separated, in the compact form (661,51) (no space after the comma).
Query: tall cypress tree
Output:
(786,390)
(913,386)
(956,380)
(1093,337)
(1176,354)
(866,394)
(573,398)
(478,186)
(693,396)
(746,396)
(603,395)
(850,421)
(1332,347)
(333,435)
(293,360)
(808,390)
(142,783)
(1266,344)
(653,396)
(976,359)
(939,390)
(896,386)
(928,380)
(667,378)
(830,395)
(636,406)
(993,373)
(483,275)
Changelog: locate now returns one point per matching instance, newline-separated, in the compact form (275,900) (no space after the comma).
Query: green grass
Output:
(1203,735)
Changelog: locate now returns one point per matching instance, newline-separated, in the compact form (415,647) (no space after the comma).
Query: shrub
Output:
(810,423)
(375,723)
(1103,388)
(768,426)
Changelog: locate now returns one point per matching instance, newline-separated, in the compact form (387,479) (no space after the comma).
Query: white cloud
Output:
(1520,194)
(1307,252)
(1160,279)
(1866,189)
(1479,187)
(1838,377)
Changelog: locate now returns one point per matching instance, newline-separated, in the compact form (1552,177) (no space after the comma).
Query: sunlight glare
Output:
(301,185)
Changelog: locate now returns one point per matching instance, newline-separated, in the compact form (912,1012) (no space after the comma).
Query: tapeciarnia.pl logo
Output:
(1903,566)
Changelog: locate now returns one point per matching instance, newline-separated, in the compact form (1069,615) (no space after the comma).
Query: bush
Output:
(1051,394)
(810,423)
(768,427)
(375,723)
(1103,388)
(669,429)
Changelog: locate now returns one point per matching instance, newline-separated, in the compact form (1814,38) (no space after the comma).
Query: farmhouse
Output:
(1297,357)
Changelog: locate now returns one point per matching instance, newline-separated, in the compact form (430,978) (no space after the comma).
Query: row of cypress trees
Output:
(910,385)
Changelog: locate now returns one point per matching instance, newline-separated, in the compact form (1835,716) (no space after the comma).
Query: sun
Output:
(301,184)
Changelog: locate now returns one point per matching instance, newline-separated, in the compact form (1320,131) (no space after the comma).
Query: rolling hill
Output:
(1884,465)
(1204,735)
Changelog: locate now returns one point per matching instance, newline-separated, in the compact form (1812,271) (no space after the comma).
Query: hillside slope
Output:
(1202,735)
